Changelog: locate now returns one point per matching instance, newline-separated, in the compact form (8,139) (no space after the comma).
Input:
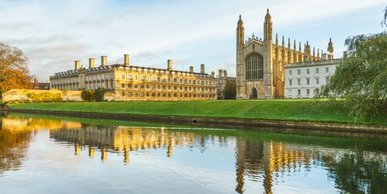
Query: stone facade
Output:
(260,63)
(126,82)
(21,95)
(304,80)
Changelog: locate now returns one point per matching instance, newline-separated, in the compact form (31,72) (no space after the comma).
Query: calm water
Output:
(49,155)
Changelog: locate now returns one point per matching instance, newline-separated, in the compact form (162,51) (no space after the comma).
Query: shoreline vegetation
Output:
(295,110)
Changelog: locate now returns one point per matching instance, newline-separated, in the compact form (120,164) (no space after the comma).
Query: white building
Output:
(304,80)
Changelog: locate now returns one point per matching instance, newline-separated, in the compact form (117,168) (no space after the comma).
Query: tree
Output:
(13,68)
(230,90)
(361,77)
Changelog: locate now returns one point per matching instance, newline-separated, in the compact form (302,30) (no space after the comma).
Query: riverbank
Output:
(321,115)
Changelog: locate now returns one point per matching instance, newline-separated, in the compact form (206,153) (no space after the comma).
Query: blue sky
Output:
(55,33)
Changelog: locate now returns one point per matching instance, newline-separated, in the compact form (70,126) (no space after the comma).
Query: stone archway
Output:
(254,94)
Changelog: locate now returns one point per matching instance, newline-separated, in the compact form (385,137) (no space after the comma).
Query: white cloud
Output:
(55,33)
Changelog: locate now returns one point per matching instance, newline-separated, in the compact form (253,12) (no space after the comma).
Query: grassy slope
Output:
(299,110)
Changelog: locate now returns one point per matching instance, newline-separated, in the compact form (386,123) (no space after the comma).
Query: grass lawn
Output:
(286,109)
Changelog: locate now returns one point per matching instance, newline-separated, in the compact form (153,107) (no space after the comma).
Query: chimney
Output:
(225,73)
(202,71)
(126,60)
(169,65)
(103,60)
(220,73)
(191,69)
(213,74)
(77,65)
(91,63)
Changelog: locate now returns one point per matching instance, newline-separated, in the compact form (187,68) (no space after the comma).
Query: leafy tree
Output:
(99,94)
(361,78)
(13,68)
(230,90)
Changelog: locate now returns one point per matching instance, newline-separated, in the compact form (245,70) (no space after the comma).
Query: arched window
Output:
(254,67)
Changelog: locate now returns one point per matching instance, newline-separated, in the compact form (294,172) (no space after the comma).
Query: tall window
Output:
(254,67)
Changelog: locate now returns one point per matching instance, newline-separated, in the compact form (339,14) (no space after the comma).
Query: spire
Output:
(289,52)
(283,41)
(268,16)
(295,52)
(276,39)
(330,46)
(240,31)
(299,53)
(267,26)
(318,53)
(240,22)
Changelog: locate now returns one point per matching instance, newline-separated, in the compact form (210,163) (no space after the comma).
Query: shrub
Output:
(45,97)
(93,96)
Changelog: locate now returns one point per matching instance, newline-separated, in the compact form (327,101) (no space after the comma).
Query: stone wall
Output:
(20,95)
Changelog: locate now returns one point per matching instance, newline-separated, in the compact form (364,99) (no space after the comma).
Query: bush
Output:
(45,97)
(87,95)
(93,96)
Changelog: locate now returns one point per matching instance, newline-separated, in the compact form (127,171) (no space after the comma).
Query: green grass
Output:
(293,110)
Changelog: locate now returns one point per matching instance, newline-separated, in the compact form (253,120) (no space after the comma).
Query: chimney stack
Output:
(202,71)
(191,69)
(126,60)
(103,60)
(220,73)
(212,74)
(169,65)
(77,64)
(91,63)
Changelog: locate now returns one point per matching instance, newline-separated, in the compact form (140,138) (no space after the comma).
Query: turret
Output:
(202,70)
(295,57)
(289,52)
(191,69)
(330,49)
(299,52)
(240,31)
(268,26)
(268,72)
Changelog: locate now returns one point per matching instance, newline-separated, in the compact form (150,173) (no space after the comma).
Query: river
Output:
(43,154)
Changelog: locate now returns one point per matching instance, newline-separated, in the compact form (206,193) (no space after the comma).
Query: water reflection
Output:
(259,161)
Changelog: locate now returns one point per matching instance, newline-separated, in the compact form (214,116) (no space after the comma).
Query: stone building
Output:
(260,63)
(305,79)
(128,82)
(222,81)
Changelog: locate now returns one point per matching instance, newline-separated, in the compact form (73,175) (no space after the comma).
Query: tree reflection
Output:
(358,173)
(12,148)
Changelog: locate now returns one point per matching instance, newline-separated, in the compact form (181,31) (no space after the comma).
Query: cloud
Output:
(55,33)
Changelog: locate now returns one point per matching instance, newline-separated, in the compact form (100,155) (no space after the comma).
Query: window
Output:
(298,71)
(123,94)
(326,69)
(290,82)
(307,81)
(123,86)
(307,71)
(327,79)
(299,92)
(254,67)
(290,72)
(307,92)
(317,80)
(130,94)
(299,81)
(317,70)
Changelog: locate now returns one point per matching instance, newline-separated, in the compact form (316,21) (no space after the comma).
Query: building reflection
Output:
(125,139)
(267,161)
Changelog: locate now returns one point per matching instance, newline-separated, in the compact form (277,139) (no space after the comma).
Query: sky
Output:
(53,34)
